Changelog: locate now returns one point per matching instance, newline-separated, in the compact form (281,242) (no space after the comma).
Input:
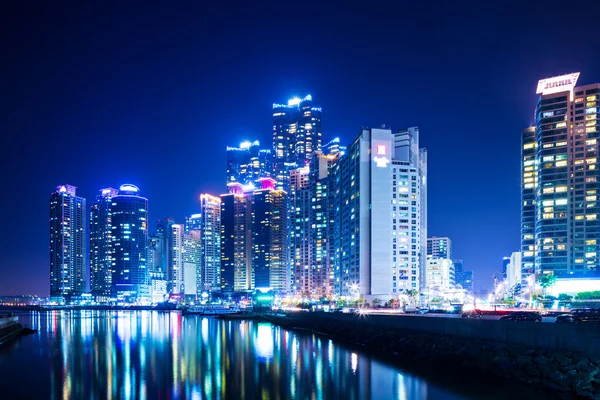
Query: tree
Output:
(595,295)
(412,296)
(546,281)
(564,297)
(376,303)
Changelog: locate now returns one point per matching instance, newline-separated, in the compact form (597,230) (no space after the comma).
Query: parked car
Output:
(422,310)
(529,316)
(580,316)
(472,314)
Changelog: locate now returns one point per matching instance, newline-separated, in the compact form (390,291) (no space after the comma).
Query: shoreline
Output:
(536,372)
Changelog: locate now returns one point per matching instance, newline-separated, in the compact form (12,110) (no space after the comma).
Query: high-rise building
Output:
(380,208)
(192,268)
(236,240)
(312,227)
(129,218)
(157,278)
(193,223)
(169,260)
(100,244)
(334,147)
(296,136)
(440,275)
(247,163)
(513,273)
(560,209)
(439,247)
(300,236)
(67,242)
(210,247)
(268,226)
(467,282)
(505,262)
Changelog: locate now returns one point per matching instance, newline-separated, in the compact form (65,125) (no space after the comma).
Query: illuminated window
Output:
(579,261)
(561,163)
(560,144)
(529,146)
(530,254)
(590,141)
(577,162)
(590,129)
(548,158)
(548,145)
(528,185)
(548,190)
(590,242)
(548,203)
(561,202)
(560,189)
(590,198)
(590,217)
(548,209)
(590,98)
(590,255)
(578,217)
(561,125)
(547,216)
(561,247)
(590,160)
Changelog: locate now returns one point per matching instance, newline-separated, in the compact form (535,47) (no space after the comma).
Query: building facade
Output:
(210,247)
(440,275)
(559,226)
(100,243)
(247,163)
(380,208)
(67,242)
(296,135)
(129,218)
(439,247)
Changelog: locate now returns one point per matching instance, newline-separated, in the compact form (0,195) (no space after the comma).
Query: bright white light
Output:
(293,102)
(129,188)
(245,145)
(557,84)
(62,189)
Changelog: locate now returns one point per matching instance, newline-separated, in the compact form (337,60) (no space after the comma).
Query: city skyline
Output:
(143,131)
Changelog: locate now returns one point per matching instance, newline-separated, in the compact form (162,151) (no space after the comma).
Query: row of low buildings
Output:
(300,219)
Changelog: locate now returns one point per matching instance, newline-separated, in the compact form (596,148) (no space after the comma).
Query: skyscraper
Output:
(439,247)
(269,237)
(193,223)
(100,243)
(129,218)
(247,163)
(296,135)
(300,232)
(382,175)
(210,248)
(192,268)
(67,242)
(236,240)
(560,209)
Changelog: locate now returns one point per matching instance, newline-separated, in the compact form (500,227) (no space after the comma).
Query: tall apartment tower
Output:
(100,243)
(560,209)
(210,247)
(382,175)
(67,242)
(268,226)
(439,247)
(300,233)
(167,257)
(129,225)
(236,240)
(296,136)
(247,163)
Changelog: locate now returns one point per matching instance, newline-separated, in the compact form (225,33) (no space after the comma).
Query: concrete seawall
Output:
(9,328)
(566,337)
(547,357)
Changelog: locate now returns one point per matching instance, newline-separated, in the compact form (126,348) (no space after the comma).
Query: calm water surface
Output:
(146,354)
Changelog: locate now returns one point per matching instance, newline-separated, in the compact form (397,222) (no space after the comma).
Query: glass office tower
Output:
(129,218)
(296,136)
(100,244)
(67,242)
(560,228)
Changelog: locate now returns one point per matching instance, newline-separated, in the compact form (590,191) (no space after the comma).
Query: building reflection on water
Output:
(144,354)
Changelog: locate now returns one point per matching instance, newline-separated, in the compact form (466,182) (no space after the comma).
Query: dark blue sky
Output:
(152,93)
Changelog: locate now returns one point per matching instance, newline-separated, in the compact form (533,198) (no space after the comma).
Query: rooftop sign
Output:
(557,84)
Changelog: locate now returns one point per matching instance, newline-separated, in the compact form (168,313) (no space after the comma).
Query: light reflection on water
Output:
(144,354)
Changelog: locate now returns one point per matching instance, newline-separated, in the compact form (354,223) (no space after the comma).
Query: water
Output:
(153,355)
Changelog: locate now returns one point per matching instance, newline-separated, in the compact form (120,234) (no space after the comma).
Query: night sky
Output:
(152,93)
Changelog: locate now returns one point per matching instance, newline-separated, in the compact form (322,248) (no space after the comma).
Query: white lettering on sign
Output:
(381,162)
(557,84)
